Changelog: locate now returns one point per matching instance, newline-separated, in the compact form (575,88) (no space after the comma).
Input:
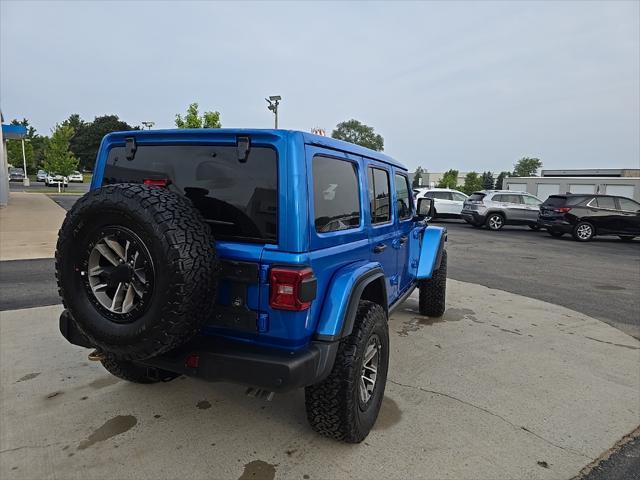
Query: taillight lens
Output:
(156,182)
(289,288)
(562,209)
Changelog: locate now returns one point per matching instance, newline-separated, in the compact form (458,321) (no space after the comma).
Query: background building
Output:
(623,182)
(431,179)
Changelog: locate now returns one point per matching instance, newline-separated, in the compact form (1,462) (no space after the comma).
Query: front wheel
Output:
(433,292)
(345,405)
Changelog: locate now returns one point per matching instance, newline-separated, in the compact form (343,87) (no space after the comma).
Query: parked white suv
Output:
(447,202)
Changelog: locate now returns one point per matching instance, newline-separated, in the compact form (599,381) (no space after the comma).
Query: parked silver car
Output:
(497,208)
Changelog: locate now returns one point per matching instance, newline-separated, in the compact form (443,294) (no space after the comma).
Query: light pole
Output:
(148,124)
(274,101)
(25,180)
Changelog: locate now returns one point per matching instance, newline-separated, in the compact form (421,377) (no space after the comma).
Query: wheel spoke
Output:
(107,253)
(118,297)
(116,247)
(127,303)
(95,271)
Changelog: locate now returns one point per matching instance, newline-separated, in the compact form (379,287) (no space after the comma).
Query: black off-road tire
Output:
(333,405)
(182,254)
(433,292)
(133,372)
(554,233)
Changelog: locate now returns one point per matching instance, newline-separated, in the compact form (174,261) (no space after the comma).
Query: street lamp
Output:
(274,101)
(148,124)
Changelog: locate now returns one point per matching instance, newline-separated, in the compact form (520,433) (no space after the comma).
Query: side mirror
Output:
(425,208)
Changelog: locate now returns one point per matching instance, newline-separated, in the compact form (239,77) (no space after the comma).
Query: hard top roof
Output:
(308,138)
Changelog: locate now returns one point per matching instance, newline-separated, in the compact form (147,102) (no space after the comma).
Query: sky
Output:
(464,85)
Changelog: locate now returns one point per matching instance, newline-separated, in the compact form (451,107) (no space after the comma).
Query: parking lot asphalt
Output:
(600,278)
(483,393)
(77,188)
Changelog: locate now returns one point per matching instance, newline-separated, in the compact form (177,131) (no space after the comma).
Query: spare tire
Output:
(137,269)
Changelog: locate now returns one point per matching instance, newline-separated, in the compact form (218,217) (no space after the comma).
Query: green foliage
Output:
(526,167)
(356,132)
(193,119)
(472,183)
(449,179)
(88,135)
(487,180)
(58,157)
(500,180)
(417,177)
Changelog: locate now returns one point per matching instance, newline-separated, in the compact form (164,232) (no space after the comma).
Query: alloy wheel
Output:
(584,231)
(369,372)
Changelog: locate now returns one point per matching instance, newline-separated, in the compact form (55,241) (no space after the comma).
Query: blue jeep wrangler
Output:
(269,258)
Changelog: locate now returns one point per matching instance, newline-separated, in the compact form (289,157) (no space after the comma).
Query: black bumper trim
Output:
(222,360)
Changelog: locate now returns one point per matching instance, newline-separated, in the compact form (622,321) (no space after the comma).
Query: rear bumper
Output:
(555,224)
(472,217)
(221,360)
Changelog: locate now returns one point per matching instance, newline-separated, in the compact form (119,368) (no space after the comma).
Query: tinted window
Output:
(604,202)
(238,200)
(555,201)
(378,180)
(403,199)
(628,205)
(442,195)
(335,194)
(429,195)
(508,198)
(476,197)
(458,196)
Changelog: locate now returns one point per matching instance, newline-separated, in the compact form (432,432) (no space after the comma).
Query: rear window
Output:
(238,200)
(555,201)
(476,197)
(560,200)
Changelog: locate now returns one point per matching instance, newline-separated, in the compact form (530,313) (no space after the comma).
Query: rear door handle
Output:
(381,247)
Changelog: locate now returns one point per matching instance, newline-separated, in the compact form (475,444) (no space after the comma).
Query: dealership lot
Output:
(520,379)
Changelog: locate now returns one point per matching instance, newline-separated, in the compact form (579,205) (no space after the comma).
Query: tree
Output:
(487,180)
(449,179)
(417,177)
(472,183)
(526,167)
(58,157)
(88,135)
(356,132)
(192,119)
(500,180)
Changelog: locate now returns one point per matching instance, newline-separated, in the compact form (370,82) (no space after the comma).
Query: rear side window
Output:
(476,197)
(336,196)
(628,205)
(508,198)
(458,197)
(403,198)
(530,200)
(378,181)
(238,200)
(604,202)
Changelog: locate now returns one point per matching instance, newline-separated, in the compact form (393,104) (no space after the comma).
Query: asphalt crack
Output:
(493,414)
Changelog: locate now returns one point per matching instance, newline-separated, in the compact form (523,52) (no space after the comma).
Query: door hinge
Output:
(264,273)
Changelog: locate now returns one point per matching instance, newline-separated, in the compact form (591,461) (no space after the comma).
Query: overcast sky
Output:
(472,86)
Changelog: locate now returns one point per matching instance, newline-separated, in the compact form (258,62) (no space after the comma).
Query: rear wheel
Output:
(583,232)
(345,405)
(495,221)
(433,292)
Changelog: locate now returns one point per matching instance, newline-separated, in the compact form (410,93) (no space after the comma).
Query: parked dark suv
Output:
(585,216)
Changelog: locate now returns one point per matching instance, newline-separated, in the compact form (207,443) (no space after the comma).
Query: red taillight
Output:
(291,289)
(192,361)
(562,209)
(156,182)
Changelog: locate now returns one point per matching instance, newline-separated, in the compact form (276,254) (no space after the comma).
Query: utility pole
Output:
(274,101)
(25,180)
